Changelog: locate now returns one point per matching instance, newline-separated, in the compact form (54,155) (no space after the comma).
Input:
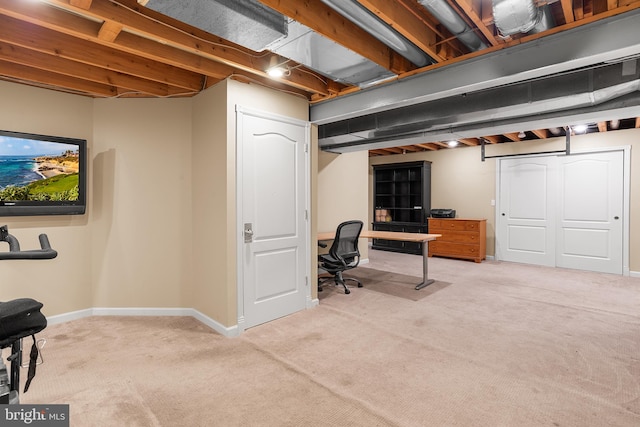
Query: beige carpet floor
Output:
(497,344)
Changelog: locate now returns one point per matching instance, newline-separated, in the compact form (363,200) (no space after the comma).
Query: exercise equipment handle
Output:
(14,247)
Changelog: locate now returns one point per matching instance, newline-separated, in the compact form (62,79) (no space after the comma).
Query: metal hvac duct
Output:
(520,16)
(360,16)
(583,90)
(248,22)
(448,17)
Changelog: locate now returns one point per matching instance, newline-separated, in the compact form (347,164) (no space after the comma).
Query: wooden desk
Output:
(392,235)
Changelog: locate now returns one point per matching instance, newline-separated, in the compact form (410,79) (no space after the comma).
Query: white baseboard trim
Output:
(141,311)
(634,273)
(227,331)
(68,317)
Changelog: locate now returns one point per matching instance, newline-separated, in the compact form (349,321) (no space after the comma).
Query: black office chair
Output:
(343,255)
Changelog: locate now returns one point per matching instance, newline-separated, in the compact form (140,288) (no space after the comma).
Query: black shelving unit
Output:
(402,201)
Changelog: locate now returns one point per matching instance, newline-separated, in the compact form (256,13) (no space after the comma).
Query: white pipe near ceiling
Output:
(360,16)
(448,17)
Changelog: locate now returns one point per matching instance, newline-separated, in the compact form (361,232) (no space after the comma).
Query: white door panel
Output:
(525,213)
(277,270)
(590,217)
(274,192)
(562,211)
(527,239)
(273,184)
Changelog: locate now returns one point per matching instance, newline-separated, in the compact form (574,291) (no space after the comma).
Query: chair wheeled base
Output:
(339,280)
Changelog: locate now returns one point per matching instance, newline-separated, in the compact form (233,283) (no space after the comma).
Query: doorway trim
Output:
(626,208)
(239,112)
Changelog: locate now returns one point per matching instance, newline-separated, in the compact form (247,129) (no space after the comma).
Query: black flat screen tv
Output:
(42,175)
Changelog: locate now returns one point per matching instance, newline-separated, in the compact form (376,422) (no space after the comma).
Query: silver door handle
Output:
(248,233)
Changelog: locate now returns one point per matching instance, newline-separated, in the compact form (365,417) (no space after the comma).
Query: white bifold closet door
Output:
(563,211)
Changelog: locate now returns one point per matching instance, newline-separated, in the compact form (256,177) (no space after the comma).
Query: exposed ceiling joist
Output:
(324,20)
(122,48)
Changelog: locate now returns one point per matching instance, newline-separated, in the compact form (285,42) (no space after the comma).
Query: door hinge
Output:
(306,148)
(306,215)
(306,280)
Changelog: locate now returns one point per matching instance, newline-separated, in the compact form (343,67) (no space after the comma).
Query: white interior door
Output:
(590,212)
(526,211)
(273,211)
(563,211)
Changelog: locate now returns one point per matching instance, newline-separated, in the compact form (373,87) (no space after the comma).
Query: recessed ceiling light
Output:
(278,69)
(452,143)
(580,128)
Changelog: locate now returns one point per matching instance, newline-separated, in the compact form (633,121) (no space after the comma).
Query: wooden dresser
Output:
(461,238)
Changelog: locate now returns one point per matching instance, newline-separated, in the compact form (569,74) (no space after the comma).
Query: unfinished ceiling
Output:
(385,75)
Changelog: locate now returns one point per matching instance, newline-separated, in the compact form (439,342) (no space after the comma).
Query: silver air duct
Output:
(448,17)
(247,23)
(546,21)
(360,16)
(521,16)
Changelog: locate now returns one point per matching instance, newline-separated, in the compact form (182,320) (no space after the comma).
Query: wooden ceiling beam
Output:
(541,133)
(469,141)
(82,28)
(45,79)
(406,23)
(109,31)
(378,152)
(64,46)
(429,147)
(413,148)
(395,150)
(146,23)
(578,9)
(513,136)
(329,23)
(61,66)
(493,139)
(82,4)
(602,126)
(470,9)
(567,11)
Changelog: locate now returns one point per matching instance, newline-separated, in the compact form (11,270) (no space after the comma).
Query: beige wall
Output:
(64,283)
(214,189)
(141,202)
(342,191)
(159,231)
(209,287)
(160,225)
(460,180)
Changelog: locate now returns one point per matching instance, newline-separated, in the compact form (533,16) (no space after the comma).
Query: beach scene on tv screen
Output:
(33,170)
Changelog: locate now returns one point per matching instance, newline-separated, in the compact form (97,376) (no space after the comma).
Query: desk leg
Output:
(425,275)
